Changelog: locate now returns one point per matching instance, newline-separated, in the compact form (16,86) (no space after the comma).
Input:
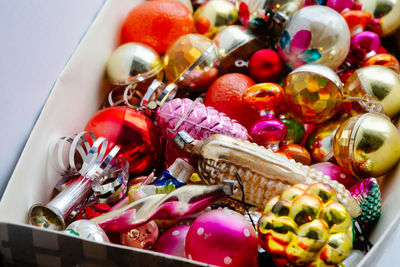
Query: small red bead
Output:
(266,66)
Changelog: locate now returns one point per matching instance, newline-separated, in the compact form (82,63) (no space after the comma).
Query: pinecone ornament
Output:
(197,120)
(306,226)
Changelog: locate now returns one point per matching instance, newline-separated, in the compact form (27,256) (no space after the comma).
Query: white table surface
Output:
(37,39)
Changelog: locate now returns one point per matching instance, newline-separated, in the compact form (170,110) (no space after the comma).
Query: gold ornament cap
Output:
(368,145)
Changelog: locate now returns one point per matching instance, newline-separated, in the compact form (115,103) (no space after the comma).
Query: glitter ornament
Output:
(157,24)
(374,88)
(266,66)
(222,238)
(143,236)
(315,34)
(385,60)
(256,9)
(172,241)
(367,145)
(386,14)
(313,93)
(196,119)
(133,131)
(226,95)
(214,15)
(336,173)
(191,62)
(306,226)
(264,98)
(132,63)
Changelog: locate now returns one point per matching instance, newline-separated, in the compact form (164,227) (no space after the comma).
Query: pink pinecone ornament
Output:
(197,120)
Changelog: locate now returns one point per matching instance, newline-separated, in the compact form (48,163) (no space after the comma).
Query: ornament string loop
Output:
(243,199)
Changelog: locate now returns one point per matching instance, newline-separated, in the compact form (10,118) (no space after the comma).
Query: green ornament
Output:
(295,131)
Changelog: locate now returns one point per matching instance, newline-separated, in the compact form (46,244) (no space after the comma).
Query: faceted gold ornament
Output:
(367,145)
(313,93)
(191,62)
(316,230)
(374,84)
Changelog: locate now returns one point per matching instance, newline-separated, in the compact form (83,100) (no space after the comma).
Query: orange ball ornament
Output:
(157,24)
(264,96)
(384,59)
(226,94)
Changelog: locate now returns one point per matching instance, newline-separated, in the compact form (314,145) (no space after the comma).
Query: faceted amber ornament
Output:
(306,226)
(313,93)
(191,61)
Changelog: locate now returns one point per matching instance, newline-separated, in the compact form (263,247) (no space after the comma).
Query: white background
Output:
(36,40)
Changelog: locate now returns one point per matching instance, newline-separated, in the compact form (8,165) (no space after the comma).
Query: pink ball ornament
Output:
(337,173)
(340,5)
(365,45)
(222,237)
(172,242)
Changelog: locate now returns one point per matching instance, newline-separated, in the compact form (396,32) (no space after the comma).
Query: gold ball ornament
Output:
(213,16)
(313,93)
(132,63)
(306,226)
(367,145)
(374,84)
(191,62)
(387,12)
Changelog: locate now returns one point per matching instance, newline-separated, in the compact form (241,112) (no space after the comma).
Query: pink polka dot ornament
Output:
(172,242)
(337,173)
(222,237)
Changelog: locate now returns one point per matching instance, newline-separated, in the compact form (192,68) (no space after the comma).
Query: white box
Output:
(75,98)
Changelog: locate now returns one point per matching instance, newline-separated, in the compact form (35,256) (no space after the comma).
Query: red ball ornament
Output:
(133,131)
(226,94)
(266,66)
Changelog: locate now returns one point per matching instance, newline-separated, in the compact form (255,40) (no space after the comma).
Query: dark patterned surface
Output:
(30,246)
